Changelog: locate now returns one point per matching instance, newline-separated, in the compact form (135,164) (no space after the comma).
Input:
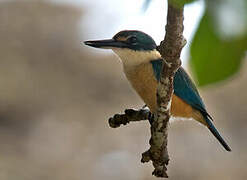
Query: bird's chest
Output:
(143,81)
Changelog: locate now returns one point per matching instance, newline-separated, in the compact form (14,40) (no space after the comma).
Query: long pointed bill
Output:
(105,44)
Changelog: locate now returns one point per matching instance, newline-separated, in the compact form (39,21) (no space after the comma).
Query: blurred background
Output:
(56,96)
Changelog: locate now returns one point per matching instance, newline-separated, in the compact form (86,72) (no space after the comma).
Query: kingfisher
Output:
(142,65)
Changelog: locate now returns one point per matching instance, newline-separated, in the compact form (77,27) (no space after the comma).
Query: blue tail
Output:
(216,134)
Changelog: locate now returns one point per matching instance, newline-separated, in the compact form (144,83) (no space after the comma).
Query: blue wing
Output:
(186,90)
(183,87)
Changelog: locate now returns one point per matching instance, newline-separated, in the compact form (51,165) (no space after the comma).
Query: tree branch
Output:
(128,116)
(170,50)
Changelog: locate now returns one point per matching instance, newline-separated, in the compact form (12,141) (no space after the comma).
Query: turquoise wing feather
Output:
(185,89)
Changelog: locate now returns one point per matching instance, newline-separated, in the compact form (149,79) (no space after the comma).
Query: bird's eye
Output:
(132,40)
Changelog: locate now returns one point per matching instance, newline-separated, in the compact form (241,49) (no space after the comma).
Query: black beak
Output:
(106,44)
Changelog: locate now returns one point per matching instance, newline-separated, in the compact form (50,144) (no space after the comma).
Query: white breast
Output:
(132,58)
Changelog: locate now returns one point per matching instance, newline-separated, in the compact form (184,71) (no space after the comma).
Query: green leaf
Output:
(213,58)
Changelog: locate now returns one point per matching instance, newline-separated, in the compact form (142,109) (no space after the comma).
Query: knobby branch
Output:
(170,49)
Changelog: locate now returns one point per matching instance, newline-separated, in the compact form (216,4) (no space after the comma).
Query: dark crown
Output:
(136,40)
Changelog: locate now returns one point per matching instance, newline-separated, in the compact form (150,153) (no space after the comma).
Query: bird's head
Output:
(133,47)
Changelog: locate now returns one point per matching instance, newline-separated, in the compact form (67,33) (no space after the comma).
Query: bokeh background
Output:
(56,96)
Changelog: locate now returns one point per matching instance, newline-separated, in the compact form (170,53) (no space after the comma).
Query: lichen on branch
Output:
(170,49)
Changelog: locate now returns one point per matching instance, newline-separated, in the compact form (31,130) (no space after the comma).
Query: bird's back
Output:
(186,101)
(143,80)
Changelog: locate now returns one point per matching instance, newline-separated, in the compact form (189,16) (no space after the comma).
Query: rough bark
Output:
(130,115)
(170,49)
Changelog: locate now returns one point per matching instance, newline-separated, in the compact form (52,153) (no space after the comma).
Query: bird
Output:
(142,65)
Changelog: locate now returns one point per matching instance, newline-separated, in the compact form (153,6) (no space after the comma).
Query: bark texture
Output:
(128,116)
(170,49)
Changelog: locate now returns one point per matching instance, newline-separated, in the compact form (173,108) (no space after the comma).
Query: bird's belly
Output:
(143,81)
(145,84)
(147,92)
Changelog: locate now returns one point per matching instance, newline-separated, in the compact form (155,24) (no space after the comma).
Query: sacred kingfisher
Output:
(142,65)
